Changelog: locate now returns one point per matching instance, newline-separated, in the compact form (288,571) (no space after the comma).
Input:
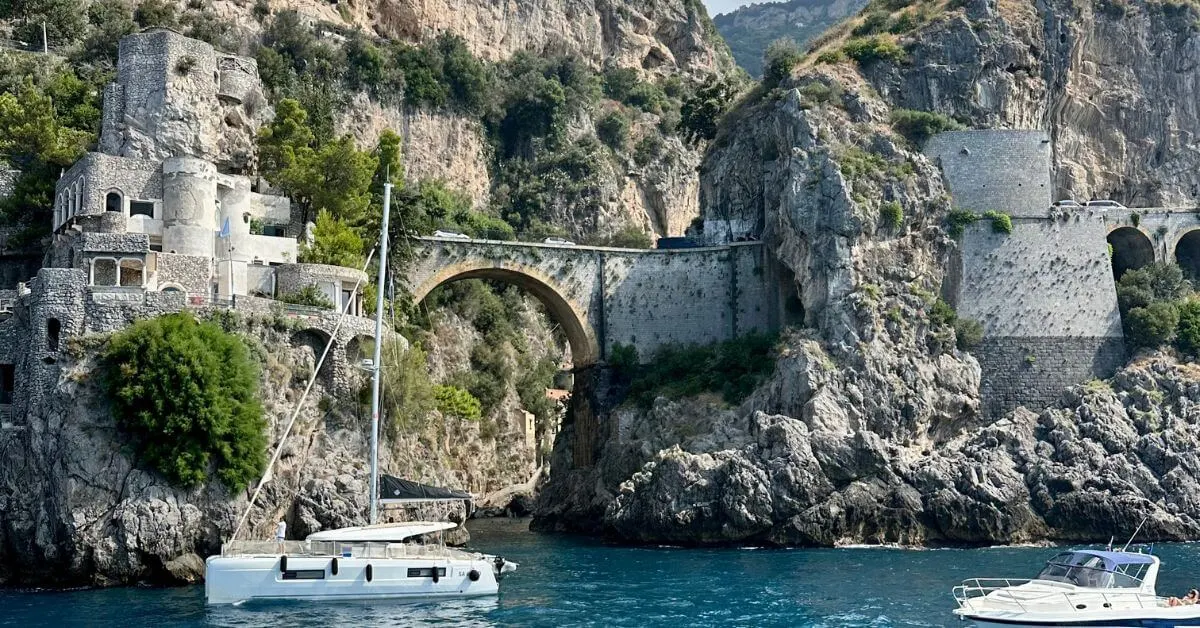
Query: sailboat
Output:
(358,563)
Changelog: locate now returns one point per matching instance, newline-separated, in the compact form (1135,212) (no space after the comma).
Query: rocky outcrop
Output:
(870,429)
(1108,458)
(76,509)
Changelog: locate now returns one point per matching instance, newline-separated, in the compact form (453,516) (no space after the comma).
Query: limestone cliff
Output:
(871,429)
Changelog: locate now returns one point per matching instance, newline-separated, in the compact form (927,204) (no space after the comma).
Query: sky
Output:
(725,6)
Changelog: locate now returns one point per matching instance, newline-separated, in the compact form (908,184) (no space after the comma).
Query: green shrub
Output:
(628,237)
(623,359)
(733,368)
(892,214)
(831,57)
(779,59)
(1149,284)
(618,83)
(958,220)
(701,112)
(1187,337)
(918,126)
(874,22)
(648,149)
(334,243)
(1001,222)
(454,401)
(309,295)
(867,50)
(941,314)
(821,93)
(1135,219)
(185,394)
(150,13)
(1153,325)
(968,333)
(613,130)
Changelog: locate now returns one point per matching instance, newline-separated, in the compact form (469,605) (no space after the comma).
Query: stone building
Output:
(162,218)
(162,205)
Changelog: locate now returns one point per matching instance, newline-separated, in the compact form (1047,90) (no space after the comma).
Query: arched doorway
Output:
(1187,254)
(308,346)
(1131,249)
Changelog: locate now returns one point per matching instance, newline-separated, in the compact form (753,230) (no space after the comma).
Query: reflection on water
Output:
(567,581)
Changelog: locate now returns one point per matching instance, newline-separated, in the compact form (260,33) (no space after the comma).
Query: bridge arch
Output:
(585,348)
(1131,249)
(1187,254)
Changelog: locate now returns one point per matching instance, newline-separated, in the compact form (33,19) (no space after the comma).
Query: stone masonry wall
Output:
(1034,371)
(646,298)
(1044,293)
(1005,170)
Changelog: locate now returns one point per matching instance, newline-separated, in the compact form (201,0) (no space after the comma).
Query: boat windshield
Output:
(1105,570)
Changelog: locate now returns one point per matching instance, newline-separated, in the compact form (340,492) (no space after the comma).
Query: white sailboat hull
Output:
(233,579)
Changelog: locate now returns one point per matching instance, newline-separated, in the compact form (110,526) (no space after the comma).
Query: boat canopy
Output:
(383,533)
(393,490)
(1098,568)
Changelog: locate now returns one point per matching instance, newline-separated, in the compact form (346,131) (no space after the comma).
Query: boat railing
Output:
(335,548)
(1001,590)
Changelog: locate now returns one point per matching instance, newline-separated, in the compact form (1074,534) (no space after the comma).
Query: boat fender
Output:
(333,567)
(282,564)
(435,575)
(369,574)
(473,575)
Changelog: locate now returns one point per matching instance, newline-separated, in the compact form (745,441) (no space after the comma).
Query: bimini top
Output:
(1112,559)
(382,533)
(1101,569)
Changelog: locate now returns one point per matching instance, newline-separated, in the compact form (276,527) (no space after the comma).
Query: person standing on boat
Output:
(280,533)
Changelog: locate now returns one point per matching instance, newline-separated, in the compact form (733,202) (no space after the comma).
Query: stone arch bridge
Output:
(602,296)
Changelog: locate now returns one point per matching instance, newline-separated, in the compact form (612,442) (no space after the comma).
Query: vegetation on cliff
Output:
(185,393)
(733,369)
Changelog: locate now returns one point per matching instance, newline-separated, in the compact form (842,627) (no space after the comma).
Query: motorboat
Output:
(376,561)
(1083,587)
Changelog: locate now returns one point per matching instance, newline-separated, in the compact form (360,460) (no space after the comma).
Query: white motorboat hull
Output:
(1148,617)
(233,579)
(1140,622)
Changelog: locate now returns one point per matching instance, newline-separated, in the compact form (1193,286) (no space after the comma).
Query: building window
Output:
(141,208)
(132,272)
(273,231)
(53,327)
(104,271)
(7,383)
(112,202)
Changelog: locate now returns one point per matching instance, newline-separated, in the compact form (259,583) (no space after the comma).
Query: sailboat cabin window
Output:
(425,572)
(304,574)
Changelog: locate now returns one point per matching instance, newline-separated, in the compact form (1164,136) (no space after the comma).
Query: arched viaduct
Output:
(1156,234)
(602,296)
(605,296)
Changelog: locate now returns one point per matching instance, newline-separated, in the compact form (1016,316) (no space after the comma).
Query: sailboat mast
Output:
(376,366)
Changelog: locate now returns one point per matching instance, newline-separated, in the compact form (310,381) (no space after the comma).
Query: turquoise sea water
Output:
(567,581)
